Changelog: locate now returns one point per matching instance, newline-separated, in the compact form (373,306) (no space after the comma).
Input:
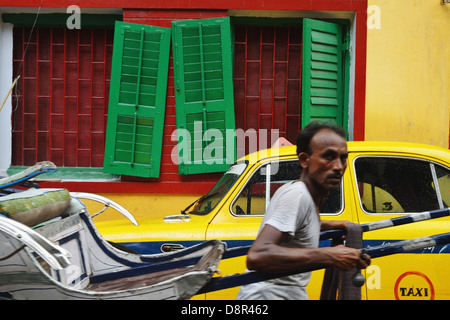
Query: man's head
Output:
(322,152)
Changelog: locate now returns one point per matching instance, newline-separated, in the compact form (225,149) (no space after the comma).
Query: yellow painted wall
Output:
(142,205)
(408,71)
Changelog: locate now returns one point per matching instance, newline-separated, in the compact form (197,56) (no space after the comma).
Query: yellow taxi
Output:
(382,181)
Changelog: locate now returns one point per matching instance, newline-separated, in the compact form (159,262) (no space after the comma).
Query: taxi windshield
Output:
(207,203)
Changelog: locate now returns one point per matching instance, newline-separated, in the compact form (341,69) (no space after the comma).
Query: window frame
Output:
(306,110)
(267,190)
(58,20)
(431,166)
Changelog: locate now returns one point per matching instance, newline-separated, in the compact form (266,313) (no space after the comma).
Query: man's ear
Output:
(303,159)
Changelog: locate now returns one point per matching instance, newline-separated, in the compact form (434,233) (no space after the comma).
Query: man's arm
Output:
(266,255)
(333,224)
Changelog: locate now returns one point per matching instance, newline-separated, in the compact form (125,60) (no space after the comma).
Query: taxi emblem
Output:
(414,285)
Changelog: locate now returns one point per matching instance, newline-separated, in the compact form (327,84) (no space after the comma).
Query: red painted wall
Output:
(158,15)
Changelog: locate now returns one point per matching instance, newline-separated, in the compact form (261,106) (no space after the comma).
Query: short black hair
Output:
(307,133)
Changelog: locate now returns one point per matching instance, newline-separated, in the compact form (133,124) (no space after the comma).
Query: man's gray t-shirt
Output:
(291,210)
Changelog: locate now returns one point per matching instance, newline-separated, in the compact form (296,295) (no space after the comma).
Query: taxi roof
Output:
(371,147)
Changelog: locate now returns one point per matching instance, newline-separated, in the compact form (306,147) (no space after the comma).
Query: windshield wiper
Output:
(198,200)
(206,196)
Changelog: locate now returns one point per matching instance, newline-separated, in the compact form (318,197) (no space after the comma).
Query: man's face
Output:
(327,160)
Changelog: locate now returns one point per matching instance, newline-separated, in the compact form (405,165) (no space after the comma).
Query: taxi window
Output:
(443,178)
(255,196)
(395,185)
(208,202)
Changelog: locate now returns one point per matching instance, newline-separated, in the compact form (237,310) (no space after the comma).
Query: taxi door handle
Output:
(170,247)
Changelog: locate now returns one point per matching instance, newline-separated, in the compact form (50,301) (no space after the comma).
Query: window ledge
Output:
(71,174)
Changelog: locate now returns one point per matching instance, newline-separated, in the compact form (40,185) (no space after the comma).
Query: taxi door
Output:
(393,185)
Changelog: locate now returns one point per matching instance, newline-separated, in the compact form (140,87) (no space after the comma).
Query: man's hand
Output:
(345,258)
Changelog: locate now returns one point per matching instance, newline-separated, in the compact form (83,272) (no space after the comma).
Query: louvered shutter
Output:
(322,74)
(204,100)
(137,100)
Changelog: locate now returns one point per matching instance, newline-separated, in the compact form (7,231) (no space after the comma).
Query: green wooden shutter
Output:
(137,100)
(204,99)
(322,72)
